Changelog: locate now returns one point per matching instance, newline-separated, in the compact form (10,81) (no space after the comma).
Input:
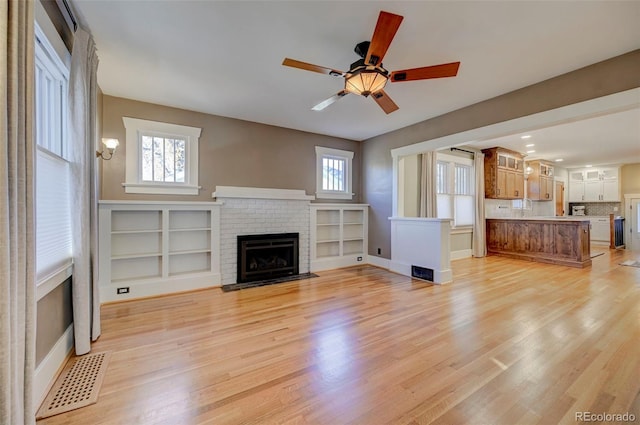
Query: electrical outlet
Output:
(359,258)
(123,290)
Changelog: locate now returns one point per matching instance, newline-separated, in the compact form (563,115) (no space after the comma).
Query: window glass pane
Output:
(441,177)
(163,159)
(333,174)
(180,154)
(169,164)
(147,158)
(158,159)
(462,180)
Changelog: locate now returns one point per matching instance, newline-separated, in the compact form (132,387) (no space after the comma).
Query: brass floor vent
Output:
(77,386)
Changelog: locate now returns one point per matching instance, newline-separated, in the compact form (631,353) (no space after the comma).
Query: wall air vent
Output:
(422,273)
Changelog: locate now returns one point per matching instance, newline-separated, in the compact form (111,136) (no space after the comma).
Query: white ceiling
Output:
(224,57)
(603,140)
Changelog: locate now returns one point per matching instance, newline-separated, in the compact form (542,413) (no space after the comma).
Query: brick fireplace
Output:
(259,211)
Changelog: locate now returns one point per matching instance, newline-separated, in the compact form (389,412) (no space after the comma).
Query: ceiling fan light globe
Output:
(365,82)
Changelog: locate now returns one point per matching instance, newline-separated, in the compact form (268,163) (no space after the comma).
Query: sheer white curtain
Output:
(479,245)
(83,91)
(17,228)
(428,207)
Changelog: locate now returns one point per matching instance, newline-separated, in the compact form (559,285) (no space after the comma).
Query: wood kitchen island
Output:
(555,240)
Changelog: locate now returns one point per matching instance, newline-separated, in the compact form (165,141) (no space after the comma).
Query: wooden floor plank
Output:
(507,342)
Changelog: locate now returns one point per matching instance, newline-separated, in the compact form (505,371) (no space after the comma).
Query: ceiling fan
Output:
(367,77)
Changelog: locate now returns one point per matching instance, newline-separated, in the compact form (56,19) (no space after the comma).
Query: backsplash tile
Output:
(598,208)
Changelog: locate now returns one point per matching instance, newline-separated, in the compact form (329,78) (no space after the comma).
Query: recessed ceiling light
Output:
(588,165)
(531,151)
(530,145)
(559,160)
(526,136)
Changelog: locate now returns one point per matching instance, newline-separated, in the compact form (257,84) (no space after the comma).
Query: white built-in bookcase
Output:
(338,235)
(154,248)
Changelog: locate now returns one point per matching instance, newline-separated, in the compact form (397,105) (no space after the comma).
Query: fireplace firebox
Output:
(270,256)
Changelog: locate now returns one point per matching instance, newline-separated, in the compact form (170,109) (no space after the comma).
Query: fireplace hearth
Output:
(267,256)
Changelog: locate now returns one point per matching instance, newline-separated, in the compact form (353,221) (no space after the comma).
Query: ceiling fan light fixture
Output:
(364,82)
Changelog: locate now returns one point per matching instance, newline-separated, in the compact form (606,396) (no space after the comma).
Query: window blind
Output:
(53,212)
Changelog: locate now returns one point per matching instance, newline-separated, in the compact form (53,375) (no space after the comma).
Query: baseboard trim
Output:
(379,261)
(51,366)
(463,253)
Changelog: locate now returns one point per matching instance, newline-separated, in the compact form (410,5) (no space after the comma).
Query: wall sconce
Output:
(111,145)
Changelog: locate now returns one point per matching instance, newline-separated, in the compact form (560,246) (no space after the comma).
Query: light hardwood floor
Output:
(508,342)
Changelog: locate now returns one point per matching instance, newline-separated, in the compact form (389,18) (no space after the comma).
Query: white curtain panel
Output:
(17,228)
(428,206)
(479,243)
(83,90)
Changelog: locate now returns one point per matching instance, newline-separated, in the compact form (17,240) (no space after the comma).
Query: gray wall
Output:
(611,76)
(232,152)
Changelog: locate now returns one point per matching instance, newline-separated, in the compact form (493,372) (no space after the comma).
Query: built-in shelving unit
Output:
(338,235)
(153,248)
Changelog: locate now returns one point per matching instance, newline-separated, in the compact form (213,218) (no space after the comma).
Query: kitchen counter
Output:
(556,240)
(545,218)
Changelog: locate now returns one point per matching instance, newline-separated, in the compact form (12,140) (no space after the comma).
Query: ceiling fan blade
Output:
(311,67)
(427,72)
(384,101)
(320,106)
(386,29)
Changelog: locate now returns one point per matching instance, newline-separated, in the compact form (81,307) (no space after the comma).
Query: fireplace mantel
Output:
(260,193)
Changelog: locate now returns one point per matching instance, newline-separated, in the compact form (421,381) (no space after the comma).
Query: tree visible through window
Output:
(333,177)
(163,159)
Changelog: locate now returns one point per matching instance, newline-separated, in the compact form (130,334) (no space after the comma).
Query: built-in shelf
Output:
(157,247)
(338,235)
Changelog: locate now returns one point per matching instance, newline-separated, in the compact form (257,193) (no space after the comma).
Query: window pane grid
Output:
(333,174)
(462,180)
(163,159)
(441,177)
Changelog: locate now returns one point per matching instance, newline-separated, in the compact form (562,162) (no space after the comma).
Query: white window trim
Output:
(133,173)
(322,152)
(49,57)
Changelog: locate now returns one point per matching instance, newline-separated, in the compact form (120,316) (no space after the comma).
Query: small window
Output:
(162,158)
(333,180)
(454,189)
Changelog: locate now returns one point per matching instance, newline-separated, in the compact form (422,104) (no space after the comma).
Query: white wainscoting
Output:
(48,369)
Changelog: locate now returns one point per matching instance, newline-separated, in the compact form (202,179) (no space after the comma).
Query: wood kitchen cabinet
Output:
(545,240)
(503,174)
(539,181)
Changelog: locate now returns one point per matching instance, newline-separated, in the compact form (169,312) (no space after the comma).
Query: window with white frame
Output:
(454,189)
(53,237)
(162,158)
(333,173)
